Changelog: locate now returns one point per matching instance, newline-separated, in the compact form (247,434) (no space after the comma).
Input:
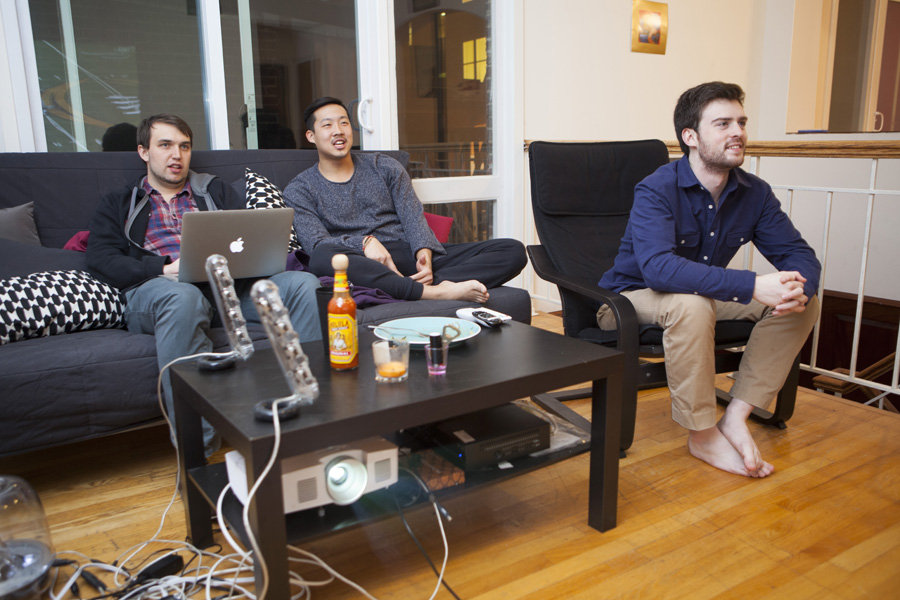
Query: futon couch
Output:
(66,387)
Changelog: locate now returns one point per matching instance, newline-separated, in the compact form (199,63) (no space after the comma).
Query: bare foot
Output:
(472,290)
(710,446)
(733,426)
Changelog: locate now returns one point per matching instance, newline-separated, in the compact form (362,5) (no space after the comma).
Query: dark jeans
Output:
(493,263)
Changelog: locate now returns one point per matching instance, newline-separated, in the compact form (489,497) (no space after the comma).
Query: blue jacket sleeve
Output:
(779,241)
(653,228)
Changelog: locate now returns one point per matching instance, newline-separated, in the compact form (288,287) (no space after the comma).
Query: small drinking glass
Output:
(436,354)
(391,360)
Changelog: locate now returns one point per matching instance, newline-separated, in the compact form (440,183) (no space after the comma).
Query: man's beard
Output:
(718,159)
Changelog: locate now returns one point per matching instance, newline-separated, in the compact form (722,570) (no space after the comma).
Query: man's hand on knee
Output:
(424,273)
(376,251)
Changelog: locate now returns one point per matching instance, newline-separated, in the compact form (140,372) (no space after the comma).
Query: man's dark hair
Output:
(309,115)
(143,132)
(692,102)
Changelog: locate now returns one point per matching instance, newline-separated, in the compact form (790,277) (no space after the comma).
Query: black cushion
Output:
(19,260)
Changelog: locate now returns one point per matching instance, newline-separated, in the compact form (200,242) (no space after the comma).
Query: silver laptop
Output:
(254,241)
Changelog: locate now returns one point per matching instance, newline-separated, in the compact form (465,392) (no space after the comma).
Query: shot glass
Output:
(436,354)
(391,360)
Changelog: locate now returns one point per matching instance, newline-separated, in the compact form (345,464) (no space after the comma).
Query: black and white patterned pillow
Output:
(54,302)
(262,193)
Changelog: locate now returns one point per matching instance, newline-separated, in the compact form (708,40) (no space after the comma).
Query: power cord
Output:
(439,511)
(168,578)
(421,548)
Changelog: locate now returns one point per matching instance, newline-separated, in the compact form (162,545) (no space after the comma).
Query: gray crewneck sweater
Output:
(377,200)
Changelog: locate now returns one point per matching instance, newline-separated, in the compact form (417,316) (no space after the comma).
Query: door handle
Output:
(360,112)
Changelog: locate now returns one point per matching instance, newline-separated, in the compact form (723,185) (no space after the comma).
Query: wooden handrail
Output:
(831,149)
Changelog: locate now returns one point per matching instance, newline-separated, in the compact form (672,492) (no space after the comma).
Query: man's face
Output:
(331,132)
(721,136)
(168,157)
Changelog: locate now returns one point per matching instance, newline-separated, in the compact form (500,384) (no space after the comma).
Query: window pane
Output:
(443,86)
(302,50)
(134,59)
(472,221)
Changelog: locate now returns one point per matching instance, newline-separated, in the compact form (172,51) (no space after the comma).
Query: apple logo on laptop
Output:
(237,245)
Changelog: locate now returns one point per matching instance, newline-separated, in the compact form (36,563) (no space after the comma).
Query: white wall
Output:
(582,82)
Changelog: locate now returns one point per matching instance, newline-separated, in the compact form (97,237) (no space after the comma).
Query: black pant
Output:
(493,263)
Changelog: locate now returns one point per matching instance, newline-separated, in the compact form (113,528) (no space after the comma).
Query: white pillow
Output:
(55,302)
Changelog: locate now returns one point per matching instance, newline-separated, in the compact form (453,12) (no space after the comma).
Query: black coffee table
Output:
(493,368)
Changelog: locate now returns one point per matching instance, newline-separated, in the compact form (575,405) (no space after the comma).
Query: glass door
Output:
(446,90)
(280,56)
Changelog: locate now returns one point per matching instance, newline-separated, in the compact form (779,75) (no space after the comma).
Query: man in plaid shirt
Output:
(135,242)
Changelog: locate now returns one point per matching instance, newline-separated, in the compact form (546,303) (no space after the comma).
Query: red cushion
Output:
(78,242)
(440,225)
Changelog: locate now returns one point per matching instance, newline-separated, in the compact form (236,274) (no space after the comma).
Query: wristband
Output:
(366,240)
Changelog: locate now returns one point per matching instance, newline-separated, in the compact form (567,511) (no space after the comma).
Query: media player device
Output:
(308,480)
(486,437)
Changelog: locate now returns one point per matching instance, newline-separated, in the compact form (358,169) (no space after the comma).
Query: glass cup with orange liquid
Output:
(391,360)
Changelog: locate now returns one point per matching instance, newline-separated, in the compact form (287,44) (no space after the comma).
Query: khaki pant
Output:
(688,323)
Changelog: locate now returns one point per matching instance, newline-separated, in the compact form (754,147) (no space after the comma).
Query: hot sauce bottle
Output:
(343,339)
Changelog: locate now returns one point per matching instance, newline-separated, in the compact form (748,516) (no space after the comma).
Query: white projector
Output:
(339,475)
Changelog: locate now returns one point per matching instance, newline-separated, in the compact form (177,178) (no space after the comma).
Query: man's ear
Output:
(311,137)
(143,153)
(689,137)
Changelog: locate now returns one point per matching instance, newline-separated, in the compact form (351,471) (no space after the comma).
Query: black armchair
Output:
(581,195)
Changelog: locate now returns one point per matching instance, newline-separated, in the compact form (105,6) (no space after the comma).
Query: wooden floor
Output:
(825,525)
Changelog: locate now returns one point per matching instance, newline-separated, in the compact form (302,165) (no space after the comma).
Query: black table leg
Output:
(189,437)
(268,523)
(606,423)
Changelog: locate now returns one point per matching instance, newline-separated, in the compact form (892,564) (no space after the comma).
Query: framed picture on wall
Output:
(649,26)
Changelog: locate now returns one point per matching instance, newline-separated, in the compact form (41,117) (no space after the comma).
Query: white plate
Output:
(416,330)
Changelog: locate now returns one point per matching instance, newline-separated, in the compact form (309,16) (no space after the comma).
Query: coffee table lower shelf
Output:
(309,524)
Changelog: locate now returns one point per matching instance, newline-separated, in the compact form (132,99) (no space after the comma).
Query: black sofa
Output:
(75,386)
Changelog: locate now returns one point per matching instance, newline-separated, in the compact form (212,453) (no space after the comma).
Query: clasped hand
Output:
(782,290)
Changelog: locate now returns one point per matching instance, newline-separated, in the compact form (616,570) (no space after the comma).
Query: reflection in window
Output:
(107,75)
(301,50)
(475,59)
(443,86)
(472,221)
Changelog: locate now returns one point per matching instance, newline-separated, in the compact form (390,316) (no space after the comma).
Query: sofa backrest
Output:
(67,186)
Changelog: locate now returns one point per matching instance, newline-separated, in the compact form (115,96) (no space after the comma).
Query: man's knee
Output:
(690,309)
(173,299)
(298,285)
(516,250)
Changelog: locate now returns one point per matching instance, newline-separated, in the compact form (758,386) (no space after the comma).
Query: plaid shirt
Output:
(163,235)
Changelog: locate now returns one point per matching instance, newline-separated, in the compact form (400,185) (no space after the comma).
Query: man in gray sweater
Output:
(364,206)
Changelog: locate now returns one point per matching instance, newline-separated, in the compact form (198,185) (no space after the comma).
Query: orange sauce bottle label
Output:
(342,339)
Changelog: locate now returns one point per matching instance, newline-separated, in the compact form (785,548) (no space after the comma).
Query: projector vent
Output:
(306,489)
(382,470)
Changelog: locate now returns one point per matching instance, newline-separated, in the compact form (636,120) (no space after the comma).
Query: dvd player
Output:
(489,436)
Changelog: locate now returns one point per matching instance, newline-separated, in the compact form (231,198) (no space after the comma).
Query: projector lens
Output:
(337,475)
(345,479)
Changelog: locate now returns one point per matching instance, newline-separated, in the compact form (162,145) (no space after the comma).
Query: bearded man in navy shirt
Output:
(688,221)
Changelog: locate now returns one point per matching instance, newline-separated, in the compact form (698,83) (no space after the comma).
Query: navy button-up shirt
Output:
(678,241)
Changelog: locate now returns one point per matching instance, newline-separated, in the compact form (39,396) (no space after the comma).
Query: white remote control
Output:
(483,316)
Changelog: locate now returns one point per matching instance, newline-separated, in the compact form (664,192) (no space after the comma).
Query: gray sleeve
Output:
(408,207)
(301,195)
